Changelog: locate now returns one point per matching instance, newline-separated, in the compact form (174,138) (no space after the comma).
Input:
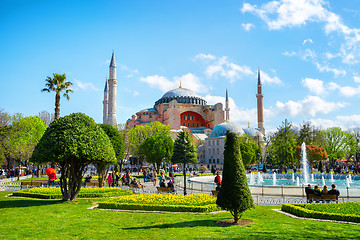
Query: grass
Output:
(23,218)
(342,208)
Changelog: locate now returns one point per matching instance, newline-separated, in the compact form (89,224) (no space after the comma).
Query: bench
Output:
(164,189)
(30,184)
(92,184)
(134,186)
(323,198)
(214,192)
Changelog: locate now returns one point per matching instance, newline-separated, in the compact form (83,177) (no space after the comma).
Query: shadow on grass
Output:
(207,223)
(24,202)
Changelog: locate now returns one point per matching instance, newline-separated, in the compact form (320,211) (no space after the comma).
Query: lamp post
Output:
(184,171)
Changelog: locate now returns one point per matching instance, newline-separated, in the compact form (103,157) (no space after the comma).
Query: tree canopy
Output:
(250,151)
(157,148)
(58,84)
(338,143)
(183,143)
(282,145)
(72,142)
(137,135)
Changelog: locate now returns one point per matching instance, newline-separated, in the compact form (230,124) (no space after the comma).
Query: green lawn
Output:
(23,218)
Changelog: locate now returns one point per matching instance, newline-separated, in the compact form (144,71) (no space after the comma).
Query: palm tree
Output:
(58,84)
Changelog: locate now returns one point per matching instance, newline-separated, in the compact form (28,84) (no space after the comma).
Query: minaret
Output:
(105,103)
(111,119)
(227,109)
(260,107)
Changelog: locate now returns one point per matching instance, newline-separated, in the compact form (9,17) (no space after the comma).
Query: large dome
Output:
(181,95)
(221,129)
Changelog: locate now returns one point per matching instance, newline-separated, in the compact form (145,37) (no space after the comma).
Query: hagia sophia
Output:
(183,109)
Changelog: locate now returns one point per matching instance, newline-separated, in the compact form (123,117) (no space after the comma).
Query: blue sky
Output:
(308,52)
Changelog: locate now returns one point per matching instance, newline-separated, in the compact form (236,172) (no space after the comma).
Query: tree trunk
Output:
(57,105)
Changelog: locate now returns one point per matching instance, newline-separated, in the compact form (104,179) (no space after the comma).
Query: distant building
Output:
(179,108)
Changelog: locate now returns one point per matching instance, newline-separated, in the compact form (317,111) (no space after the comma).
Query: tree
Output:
(313,153)
(234,194)
(118,146)
(73,142)
(338,143)
(58,84)
(184,152)
(157,148)
(46,117)
(282,145)
(250,151)
(137,135)
(309,134)
(184,144)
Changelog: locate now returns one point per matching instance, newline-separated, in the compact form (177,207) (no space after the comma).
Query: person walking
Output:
(154,176)
(110,179)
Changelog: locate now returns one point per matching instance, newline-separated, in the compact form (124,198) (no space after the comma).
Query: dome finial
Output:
(248,124)
(180,84)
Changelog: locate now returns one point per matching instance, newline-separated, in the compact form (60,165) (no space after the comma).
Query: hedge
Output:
(152,207)
(301,211)
(81,195)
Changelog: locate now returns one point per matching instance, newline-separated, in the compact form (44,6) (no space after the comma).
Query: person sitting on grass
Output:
(136,183)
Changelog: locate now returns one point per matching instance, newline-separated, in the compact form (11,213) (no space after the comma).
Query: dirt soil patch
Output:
(231,222)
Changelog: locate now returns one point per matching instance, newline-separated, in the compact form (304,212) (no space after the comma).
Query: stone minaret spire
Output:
(111,119)
(105,103)
(227,109)
(260,108)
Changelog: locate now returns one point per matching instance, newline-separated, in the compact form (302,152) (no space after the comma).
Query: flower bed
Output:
(161,202)
(55,193)
(348,212)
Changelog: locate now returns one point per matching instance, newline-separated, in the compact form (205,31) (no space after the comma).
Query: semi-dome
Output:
(181,95)
(221,129)
(253,132)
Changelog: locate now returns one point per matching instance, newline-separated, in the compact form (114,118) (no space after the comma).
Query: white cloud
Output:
(266,79)
(309,54)
(86,85)
(189,81)
(247,26)
(203,56)
(356,78)
(314,85)
(311,105)
(295,13)
(348,91)
(223,68)
(309,40)
(350,122)
(326,68)
(289,54)
(344,122)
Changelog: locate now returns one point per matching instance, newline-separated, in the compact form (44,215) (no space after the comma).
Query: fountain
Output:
(332,177)
(304,163)
(260,179)
(293,177)
(347,183)
(323,180)
(297,181)
(312,177)
(350,180)
(274,179)
(252,179)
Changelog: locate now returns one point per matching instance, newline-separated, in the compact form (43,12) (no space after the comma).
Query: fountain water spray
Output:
(274,179)
(304,163)
(293,177)
(332,177)
(347,183)
(312,177)
(350,180)
(297,181)
(323,180)
(260,179)
(252,179)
